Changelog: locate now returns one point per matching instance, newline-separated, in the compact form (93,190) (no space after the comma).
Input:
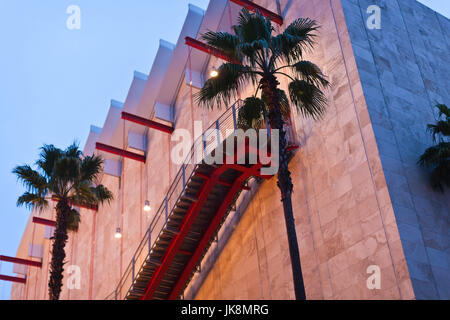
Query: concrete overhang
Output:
(175,72)
(216,10)
(153,96)
(145,108)
(135,92)
(89,147)
(112,163)
(110,134)
(131,105)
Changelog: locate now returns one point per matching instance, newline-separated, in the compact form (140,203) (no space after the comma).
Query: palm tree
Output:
(253,112)
(437,157)
(258,56)
(70,179)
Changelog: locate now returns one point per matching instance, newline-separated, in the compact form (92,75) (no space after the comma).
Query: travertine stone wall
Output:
(404,69)
(344,216)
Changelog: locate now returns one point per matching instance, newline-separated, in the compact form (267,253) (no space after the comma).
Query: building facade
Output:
(360,200)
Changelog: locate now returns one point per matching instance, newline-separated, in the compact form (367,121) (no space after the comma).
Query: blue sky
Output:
(56,82)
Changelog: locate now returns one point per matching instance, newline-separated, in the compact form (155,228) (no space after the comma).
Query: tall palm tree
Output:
(259,56)
(70,179)
(437,157)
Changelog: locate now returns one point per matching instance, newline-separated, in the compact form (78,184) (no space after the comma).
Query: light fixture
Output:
(214,73)
(118,234)
(147,207)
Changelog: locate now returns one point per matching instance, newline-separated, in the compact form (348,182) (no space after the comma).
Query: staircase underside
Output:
(209,196)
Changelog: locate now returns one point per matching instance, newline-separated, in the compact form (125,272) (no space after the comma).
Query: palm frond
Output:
(437,157)
(86,195)
(102,194)
(441,128)
(225,87)
(298,37)
(311,73)
(67,170)
(31,179)
(434,155)
(254,33)
(223,41)
(252,27)
(73,151)
(32,200)
(82,194)
(254,52)
(443,111)
(284,103)
(285,106)
(251,113)
(440,176)
(90,168)
(73,220)
(49,155)
(307,98)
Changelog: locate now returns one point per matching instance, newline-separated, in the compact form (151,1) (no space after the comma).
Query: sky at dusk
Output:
(56,82)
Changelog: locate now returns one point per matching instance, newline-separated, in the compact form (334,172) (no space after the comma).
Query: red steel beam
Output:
(292,147)
(12,279)
(242,168)
(194,43)
(253,7)
(89,207)
(45,222)
(177,241)
(193,261)
(119,152)
(226,184)
(148,123)
(21,261)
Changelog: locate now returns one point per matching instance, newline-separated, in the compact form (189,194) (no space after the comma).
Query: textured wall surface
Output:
(343,203)
(344,216)
(404,69)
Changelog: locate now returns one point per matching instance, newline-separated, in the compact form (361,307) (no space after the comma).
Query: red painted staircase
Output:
(192,212)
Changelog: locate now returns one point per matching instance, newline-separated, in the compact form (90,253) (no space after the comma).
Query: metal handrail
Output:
(227,121)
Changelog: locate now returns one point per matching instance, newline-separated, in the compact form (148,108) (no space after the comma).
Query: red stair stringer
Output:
(177,241)
(193,261)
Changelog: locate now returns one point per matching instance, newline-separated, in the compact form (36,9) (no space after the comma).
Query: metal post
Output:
(149,243)
(115,294)
(204,145)
(166,204)
(218,132)
(267,126)
(183,169)
(132,275)
(233,108)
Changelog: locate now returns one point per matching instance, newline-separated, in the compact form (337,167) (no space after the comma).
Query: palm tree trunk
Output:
(269,85)
(58,252)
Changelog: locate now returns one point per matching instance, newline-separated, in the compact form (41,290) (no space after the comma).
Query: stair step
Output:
(172,231)
(189,197)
